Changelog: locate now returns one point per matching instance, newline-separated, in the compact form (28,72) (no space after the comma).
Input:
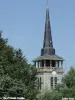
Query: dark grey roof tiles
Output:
(48,43)
(48,57)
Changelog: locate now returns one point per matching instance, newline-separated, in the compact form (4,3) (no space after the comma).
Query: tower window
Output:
(42,63)
(39,83)
(48,63)
(53,82)
(53,63)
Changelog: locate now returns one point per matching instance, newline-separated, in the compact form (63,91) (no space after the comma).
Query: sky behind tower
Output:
(23,22)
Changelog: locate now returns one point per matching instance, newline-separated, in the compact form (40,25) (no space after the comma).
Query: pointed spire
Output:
(47,34)
(48,44)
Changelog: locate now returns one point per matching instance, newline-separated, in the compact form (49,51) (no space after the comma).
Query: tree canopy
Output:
(17,77)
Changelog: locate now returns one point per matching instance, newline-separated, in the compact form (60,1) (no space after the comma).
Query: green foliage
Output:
(17,77)
(50,95)
(69,82)
(69,79)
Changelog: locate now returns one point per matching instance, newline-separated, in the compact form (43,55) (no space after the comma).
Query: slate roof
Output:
(49,57)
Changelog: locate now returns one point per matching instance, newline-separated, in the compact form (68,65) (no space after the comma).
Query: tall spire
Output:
(48,44)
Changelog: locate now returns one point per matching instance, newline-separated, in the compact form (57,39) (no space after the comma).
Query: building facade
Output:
(49,65)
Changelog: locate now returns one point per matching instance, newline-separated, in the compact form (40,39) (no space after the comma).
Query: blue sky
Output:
(23,21)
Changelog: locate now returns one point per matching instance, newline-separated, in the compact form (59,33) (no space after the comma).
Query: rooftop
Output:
(49,57)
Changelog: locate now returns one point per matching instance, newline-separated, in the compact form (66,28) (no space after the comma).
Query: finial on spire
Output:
(47,3)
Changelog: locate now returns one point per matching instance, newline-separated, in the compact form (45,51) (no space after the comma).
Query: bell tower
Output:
(48,64)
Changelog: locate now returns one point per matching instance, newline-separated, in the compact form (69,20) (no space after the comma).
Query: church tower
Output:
(49,65)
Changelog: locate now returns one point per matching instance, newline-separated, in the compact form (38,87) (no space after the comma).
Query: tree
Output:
(69,82)
(50,95)
(17,77)
(67,88)
(69,79)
